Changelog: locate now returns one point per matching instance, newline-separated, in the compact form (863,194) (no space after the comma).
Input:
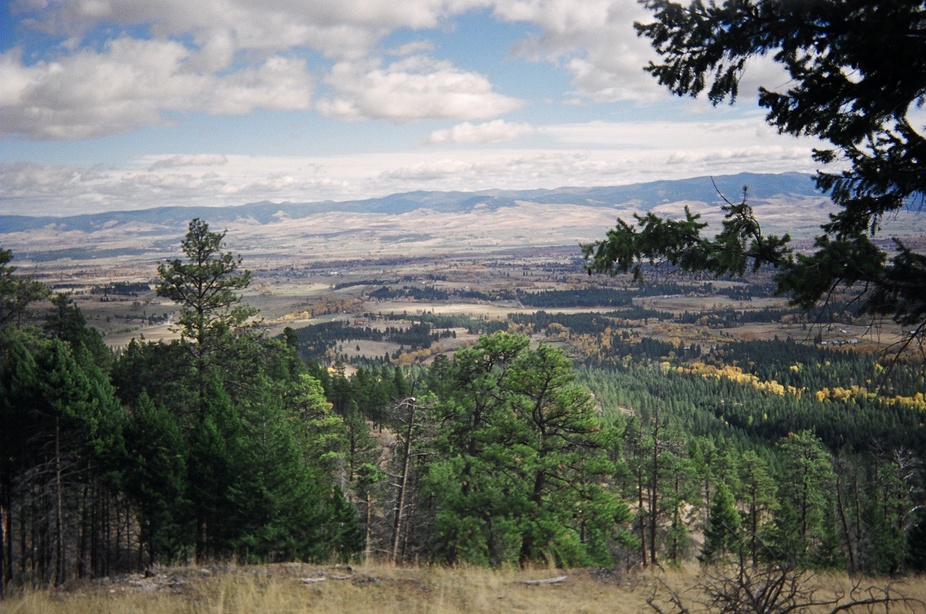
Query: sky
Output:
(131,104)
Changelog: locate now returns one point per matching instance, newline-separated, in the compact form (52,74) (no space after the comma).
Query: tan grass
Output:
(387,589)
(370,588)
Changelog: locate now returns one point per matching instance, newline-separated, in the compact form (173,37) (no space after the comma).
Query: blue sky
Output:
(129,104)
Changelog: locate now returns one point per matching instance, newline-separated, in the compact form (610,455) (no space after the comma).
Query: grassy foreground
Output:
(297,588)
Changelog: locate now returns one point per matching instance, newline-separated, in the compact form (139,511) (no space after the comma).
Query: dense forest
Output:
(613,449)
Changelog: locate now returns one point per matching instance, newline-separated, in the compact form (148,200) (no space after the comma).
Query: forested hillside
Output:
(565,439)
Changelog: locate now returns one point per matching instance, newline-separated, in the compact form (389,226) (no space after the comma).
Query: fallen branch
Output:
(547,581)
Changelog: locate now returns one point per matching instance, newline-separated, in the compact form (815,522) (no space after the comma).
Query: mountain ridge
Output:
(416,223)
(641,195)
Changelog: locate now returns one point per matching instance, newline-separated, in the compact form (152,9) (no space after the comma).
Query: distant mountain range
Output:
(414,222)
(642,196)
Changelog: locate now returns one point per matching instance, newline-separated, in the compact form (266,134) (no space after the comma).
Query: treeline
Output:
(579,297)
(728,318)
(584,323)
(446,321)
(432,293)
(585,297)
(124,288)
(314,341)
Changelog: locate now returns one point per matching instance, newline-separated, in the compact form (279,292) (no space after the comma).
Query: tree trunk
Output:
(754,525)
(845,526)
(60,572)
(403,483)
(367,537)
(6,533)
(641,512)
(654,492)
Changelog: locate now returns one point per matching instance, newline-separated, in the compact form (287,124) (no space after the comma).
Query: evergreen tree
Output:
(722,534)
(206,286)
(156,479)
(519,461)
(890,502)
(264,448)
(679,494)
(17,293)
(916,544)
(804,524)
(62,435)
(217,470)
(66,321)
(637,444)
(857,71)
(757,491)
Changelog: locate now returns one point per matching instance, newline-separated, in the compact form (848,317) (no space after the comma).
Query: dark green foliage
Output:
(852,506)
(206,287)
(245,452)
(895,487)
(259,443)
(66,322)
(587,323)
(156,479)
(916,543)
(314,341)
(258,463)
(473,325)
(805,521)
(722,534)
(590,297)
(61,432)
(124,288)
(857,71)
(16,292)
(758,494)
(518,459)
(712,406)
(164,371)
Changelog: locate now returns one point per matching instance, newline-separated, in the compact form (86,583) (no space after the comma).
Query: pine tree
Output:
(206,286)
(804,523)
(857,71)
(722,534)
(156,479)
(757,488)
(519,459)
(17,293)
(66,322)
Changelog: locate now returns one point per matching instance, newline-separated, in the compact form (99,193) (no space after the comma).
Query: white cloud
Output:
(594,40)
(132,83)
(130,63)
(429,171)
(336,28)
(189,160)
(489,132)
(412,88)
(413,48)
(229,57)
(661,135)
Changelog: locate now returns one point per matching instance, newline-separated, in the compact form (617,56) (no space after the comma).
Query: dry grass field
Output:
(299,588)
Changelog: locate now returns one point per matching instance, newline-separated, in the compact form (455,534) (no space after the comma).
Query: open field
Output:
(300,588)
(297,295)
